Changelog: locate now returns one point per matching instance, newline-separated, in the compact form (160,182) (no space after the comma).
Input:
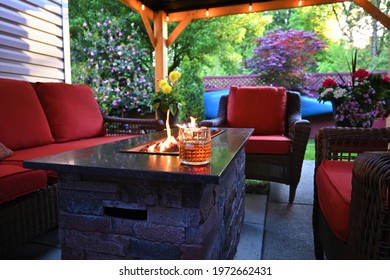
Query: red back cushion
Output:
(71,110)
(262,108)
(23,123)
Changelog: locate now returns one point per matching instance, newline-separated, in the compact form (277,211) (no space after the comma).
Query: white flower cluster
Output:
(340,92)
(337,93)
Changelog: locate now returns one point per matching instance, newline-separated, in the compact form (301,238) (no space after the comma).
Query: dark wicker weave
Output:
(369,222)
(120,126)
(284,169)
(28,216)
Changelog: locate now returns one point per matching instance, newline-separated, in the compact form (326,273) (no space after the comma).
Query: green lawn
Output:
(310,152)
(262,187)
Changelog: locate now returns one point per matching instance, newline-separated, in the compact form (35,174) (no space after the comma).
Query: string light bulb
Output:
(207,12)
(143,7)
(250,7)
(300,3)
(167,18)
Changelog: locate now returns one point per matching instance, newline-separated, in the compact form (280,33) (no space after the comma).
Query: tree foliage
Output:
(220,43)
(191,90)
(343,27)
(284,58)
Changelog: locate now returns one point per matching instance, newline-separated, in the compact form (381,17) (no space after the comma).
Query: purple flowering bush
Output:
(284,58)
(111,61)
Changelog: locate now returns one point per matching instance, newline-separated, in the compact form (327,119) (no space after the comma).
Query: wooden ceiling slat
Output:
(244,8)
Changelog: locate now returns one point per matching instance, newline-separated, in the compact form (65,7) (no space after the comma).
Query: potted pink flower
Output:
(357,102)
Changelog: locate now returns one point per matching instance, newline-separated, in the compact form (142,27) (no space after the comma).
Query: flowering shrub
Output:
(283,58)
(360,101)
(167,95)
(111,61)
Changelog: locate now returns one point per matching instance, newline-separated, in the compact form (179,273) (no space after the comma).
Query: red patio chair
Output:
(276,150)
(351,217)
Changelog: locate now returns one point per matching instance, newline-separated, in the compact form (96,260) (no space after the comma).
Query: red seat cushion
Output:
(262,108)
(270,144)
(18,156)
(16,181)
(23,123)
(71,110)
(334,186)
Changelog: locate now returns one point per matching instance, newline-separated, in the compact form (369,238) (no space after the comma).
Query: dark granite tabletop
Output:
(110,160)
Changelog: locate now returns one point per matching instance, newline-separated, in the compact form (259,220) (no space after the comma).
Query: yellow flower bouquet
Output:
(166,98)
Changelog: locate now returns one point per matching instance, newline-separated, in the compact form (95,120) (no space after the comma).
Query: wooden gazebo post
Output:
(161,48)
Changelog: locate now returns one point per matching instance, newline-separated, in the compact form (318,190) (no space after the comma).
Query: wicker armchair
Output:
(282,168)
(368,231)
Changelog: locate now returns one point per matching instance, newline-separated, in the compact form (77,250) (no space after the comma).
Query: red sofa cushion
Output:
(23,123)
(71,110)
(334,187)
(268,144)
(16,181)
(55,148)
(262,108)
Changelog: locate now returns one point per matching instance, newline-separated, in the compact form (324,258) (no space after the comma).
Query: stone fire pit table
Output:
(120,205)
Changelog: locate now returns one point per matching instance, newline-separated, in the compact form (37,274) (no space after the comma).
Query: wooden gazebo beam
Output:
(374,12)
(158,35)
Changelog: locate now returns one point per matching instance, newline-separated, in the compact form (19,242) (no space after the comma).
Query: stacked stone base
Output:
(127,218)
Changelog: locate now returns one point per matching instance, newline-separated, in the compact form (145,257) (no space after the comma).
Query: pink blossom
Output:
(386,79)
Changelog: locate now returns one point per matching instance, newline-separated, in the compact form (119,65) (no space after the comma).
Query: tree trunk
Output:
(374,49)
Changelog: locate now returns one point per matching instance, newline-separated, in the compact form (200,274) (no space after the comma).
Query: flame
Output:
(151,148)
(192,123)
(169,142)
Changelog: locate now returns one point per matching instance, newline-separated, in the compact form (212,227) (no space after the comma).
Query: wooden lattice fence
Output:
(212,83)
(224,82)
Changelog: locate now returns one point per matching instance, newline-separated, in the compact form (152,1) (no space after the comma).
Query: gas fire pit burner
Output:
(173,151)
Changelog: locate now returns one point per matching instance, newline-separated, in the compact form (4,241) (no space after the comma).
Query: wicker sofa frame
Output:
(284,169)
(369,221)
(28,216)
